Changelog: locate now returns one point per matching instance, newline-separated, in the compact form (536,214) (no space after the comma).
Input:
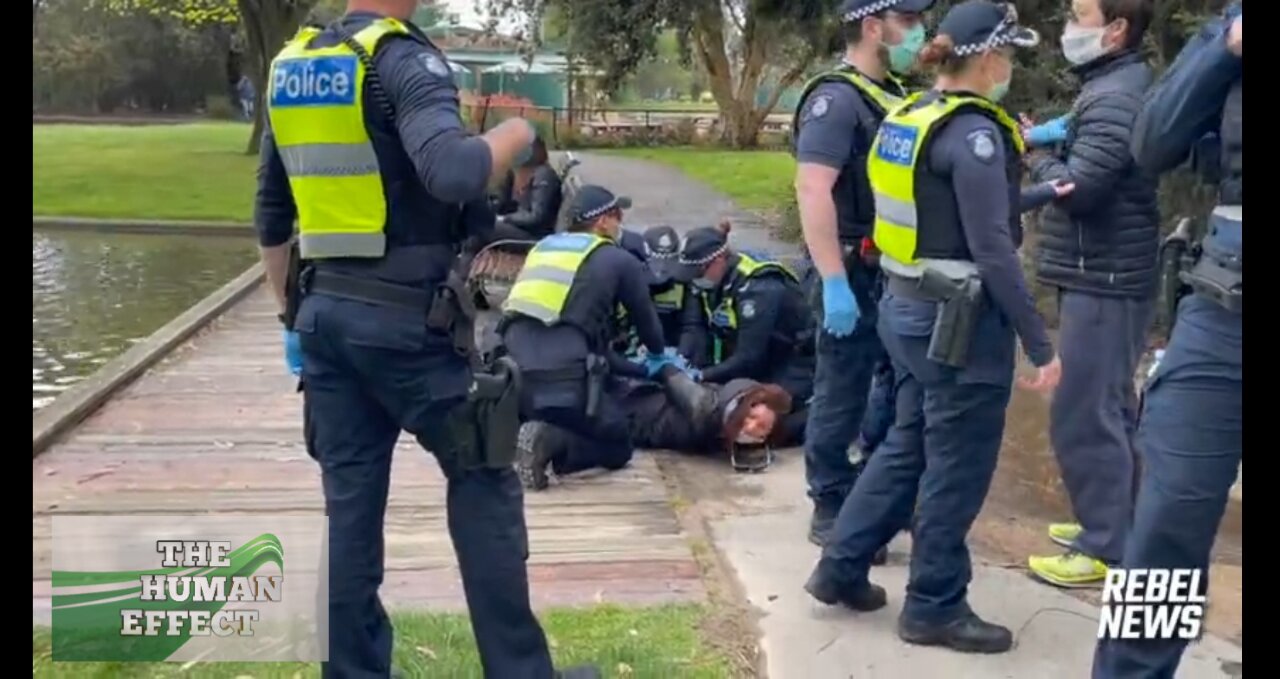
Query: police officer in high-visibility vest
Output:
(945,171)
(835,125)
(1191,430)
(659,248)
(366,150)
(558,323)
(751,317)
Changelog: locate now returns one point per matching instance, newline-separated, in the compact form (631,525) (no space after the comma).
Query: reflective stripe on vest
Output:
(316,108)
(903,135)
(725,315)
(542,288)
(671,299)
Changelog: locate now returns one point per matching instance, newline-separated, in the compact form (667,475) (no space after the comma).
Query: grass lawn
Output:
(196,171)
(755,180)
(646,642)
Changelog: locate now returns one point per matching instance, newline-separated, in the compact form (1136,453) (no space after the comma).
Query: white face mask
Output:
(1080,44)
(747,440)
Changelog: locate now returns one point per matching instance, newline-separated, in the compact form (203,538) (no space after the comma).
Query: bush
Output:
(222,108)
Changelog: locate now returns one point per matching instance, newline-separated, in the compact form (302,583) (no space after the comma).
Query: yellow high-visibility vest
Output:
(895,157)
(886,101)
(725,315)
(542,288)
(315,103)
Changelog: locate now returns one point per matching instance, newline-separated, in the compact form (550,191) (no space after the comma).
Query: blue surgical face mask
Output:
(703,283)
(902,56)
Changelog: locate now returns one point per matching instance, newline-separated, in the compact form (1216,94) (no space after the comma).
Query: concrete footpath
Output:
(765,541)
(759,524)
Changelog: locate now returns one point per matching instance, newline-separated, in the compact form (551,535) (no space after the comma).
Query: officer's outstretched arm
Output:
(757,318)
(453,165)
(273,215)
(693,329)
(1186,103)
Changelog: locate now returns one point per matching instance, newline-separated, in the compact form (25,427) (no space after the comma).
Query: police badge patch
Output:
(982,145)
(821,104)
(434,65)
(748,309)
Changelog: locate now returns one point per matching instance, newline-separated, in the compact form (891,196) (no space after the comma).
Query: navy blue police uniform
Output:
(1191,429)
(755,323)
(557,360)
(371,365)
(834,126)
(967,193)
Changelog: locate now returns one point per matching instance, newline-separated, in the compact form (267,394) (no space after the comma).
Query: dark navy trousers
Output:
(370,372)
(582,443)
(1191,440)
(938,459)
(1094,414)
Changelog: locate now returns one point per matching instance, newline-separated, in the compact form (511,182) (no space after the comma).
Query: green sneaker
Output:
(1065,534)
(1072,569)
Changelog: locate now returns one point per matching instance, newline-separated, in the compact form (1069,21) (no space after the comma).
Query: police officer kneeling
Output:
(945,174)
(367,151)
(752,319)
(557,324)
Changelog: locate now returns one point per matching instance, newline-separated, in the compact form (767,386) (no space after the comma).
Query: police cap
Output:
(856,10)
(593,201)
(976,26)
(700,246)
(662,250)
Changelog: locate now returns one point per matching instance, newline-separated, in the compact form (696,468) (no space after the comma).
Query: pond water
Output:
(93,295)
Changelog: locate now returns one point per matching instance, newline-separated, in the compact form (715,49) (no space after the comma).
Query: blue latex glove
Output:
(1050,132)
(839,308)
(654,363)
(293,352)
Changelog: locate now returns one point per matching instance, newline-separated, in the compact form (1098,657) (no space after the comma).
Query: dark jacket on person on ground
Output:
(1103,237)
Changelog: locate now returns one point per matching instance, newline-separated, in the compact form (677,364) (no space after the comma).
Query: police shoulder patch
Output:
(748,309)
(982,144)
(818,107)
(434,64)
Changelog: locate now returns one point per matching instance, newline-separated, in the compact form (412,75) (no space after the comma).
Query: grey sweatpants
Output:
(1094,414)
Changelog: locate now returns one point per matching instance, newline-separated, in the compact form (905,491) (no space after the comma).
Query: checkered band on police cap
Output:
(865,11)
(1003,33)
(590,214)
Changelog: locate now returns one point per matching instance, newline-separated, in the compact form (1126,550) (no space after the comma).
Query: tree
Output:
(266,24)
(739,44)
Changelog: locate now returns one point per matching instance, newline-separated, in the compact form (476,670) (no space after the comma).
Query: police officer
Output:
(659,247)
(367,151)
(1190,433)
(753,314)
(558,323)
(945,170)
(835,124)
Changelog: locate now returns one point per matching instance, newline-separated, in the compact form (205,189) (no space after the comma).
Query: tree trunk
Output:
(267,25)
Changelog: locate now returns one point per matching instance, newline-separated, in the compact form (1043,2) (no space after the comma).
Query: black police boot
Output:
(697,402)
(580,672)
(867,598)
(969,634)
(822,521)
(535,449)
